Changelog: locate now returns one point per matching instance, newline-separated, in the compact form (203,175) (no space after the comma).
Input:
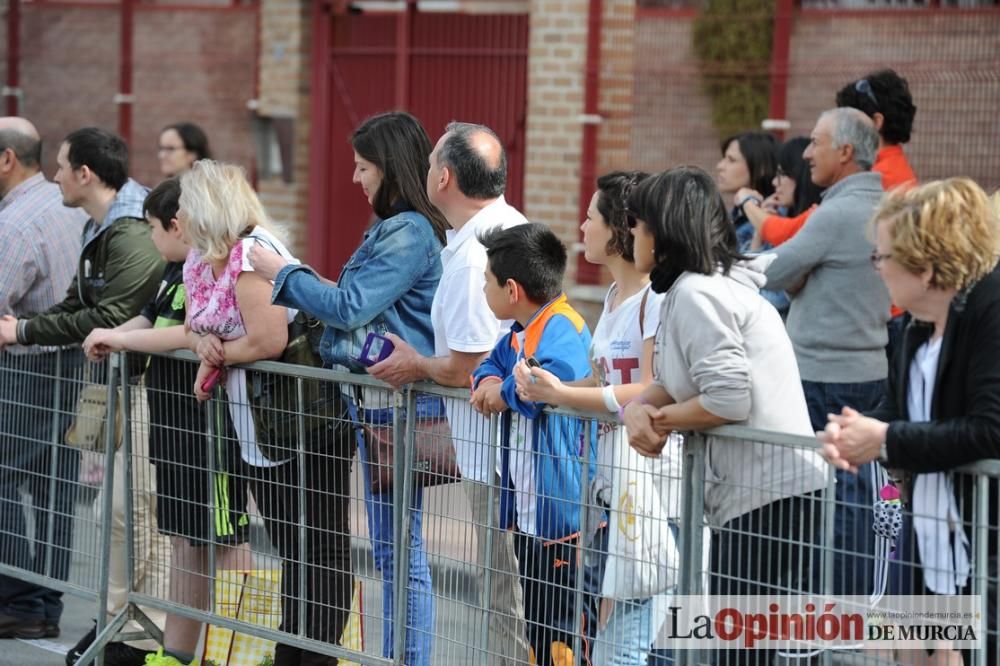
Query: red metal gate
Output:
(438,66)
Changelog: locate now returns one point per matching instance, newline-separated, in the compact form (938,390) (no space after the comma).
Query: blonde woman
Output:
(229,307)
(936,249)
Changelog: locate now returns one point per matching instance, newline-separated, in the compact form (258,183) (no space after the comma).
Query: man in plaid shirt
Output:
(39,247)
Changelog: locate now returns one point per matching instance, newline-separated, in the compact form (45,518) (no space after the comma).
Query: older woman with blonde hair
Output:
(937,248)
(229,307)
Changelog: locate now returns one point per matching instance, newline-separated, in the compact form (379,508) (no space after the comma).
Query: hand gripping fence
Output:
(554,543)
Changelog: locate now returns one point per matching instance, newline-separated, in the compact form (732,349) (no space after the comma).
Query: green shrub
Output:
(732,40)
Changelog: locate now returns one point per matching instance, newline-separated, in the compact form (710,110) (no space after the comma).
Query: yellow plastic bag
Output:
(255,597)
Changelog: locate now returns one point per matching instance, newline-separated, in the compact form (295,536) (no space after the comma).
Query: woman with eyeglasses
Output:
(723,357)
(936,250)
(795,197)
(622,357)
(180,146)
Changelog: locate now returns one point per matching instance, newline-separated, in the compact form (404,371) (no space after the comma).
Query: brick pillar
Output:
(556,61)
(285,31)
(556,71)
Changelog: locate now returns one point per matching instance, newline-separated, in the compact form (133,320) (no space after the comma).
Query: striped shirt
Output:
(40,241)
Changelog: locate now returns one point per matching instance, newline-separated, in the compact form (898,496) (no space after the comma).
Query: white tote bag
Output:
(643,559)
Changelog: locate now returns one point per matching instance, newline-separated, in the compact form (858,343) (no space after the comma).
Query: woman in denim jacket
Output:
(386,286)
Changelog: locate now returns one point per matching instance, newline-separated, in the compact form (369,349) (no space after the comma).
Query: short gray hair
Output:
(854,128)
(27,149)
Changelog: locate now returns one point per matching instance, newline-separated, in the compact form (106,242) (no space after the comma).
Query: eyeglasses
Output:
(169,149)
(877,259)
(865,88)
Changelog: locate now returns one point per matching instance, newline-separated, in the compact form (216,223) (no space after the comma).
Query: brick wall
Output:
(951,60)
(284,92)
(194,65)
(556,80)
(556,60)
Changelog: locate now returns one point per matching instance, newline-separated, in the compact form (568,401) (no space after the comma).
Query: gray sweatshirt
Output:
(837,322)
(721,342)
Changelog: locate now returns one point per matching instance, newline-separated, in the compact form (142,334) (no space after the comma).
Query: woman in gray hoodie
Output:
(722,357)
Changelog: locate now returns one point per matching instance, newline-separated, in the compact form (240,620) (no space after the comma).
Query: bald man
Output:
(466,181)
(39,245)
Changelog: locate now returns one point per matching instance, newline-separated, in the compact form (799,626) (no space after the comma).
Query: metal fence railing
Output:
(568,550)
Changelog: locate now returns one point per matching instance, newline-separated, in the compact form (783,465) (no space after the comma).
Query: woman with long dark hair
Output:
(782,214)
(387,285)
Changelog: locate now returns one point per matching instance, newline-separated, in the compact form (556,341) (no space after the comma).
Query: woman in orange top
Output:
(794,193)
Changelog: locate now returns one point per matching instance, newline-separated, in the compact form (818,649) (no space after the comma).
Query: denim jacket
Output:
(387,285)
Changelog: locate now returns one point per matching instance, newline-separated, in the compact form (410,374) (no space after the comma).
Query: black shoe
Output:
(77,650)
(119,654)
(51,630)
(18,627)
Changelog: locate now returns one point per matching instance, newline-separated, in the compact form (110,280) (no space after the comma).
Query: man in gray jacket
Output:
(837,320)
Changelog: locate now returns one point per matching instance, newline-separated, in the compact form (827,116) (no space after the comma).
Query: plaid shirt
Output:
(40,242)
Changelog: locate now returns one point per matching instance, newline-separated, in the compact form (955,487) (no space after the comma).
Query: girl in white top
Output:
(641,550)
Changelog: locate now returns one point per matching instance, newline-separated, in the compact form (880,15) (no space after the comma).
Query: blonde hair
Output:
(949,226)
(218,207)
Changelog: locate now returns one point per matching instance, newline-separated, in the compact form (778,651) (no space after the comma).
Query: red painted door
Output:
(439,67)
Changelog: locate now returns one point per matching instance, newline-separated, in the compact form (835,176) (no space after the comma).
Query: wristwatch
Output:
(883,455)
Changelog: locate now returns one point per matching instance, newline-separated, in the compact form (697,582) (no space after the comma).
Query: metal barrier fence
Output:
(306,541)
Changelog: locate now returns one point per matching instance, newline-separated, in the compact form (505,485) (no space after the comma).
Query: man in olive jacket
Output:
(119,268)
(118,272)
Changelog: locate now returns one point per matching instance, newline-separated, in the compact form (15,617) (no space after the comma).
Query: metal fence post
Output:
(57,452)
(494,442)
(212,413)
(402,490)
(303,509)
(580,546)
(107,504)
(692,519)
(981,560)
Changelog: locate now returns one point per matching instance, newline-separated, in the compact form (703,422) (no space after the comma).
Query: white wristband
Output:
(610,401)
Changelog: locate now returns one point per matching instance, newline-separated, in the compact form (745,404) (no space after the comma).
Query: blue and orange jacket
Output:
(558,338)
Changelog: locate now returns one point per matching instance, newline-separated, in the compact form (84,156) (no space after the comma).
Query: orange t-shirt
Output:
(777,229)
(895,169)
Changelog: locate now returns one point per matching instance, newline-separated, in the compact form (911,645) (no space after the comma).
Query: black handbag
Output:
(274,399)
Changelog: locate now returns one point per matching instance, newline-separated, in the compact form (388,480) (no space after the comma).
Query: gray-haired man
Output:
(837,320)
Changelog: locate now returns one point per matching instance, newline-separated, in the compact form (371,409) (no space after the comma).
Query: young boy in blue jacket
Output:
(540,470)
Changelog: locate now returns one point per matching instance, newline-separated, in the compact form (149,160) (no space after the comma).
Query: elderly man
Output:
(39,245)
(466,181)
(839,309)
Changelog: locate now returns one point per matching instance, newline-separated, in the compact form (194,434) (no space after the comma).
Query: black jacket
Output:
(965,411)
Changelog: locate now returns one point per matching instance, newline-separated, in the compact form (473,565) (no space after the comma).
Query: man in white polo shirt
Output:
(466,181)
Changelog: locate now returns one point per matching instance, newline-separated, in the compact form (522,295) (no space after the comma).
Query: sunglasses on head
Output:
(865,88)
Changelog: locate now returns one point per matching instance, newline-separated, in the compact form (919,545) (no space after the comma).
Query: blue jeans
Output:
(626,639)
(27,460)
(419,594)
(854,540)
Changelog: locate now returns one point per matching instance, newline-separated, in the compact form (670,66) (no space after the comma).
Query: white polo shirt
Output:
(463,322)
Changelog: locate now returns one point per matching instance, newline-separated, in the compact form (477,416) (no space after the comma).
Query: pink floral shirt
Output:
(212,306)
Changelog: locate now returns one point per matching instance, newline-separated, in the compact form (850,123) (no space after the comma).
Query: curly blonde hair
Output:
(218,207)
(949,226)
